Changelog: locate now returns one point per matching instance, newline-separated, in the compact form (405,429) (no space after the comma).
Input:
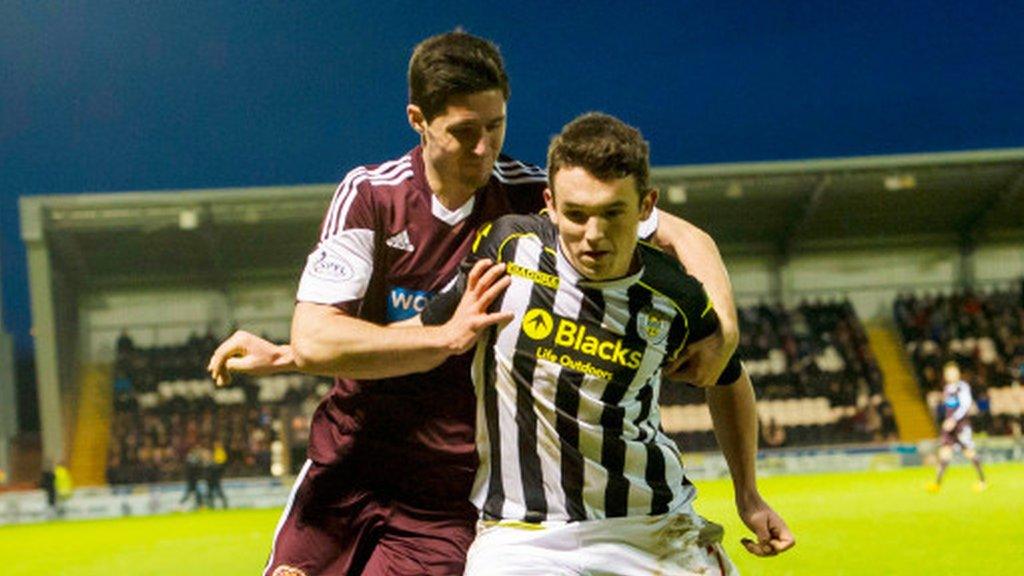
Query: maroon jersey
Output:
(386,247)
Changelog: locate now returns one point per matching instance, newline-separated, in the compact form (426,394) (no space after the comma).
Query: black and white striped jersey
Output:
(568,426)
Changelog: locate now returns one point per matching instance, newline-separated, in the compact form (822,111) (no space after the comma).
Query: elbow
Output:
(304,352)
(730,337)
(307,348)
(309,338)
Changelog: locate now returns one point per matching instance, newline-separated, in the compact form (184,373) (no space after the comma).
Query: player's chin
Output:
(477,180)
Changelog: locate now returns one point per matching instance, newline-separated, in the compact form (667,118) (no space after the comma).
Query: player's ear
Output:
(648,203)
(417,121)
(549,201)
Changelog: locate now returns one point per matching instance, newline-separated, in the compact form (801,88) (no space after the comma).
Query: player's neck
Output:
(451,195)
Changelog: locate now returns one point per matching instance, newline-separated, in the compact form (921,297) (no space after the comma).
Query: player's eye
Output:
(464,132)
(576,216)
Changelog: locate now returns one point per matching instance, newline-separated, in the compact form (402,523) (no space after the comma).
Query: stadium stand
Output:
(815,375)
(162,263)
(913,419)
(984,334)
(817,382)
(165,405)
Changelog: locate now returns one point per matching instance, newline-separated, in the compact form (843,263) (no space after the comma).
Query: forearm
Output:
(331,343)
(699,254)
(734,415)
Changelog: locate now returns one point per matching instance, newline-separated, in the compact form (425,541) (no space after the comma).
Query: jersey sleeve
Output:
(339,268)
(703,322)
(965,401)
(648,226)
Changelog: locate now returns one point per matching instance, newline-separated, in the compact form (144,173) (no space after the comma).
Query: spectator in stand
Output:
(124,342)
(984,333)
(889,431)
(773,435)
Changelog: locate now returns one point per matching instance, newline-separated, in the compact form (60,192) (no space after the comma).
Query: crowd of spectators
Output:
(982,332)
(150,445)
(166,408)
(816,349)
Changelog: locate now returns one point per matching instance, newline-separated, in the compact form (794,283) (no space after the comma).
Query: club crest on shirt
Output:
(652,325)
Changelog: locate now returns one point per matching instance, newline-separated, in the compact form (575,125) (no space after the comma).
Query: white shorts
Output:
(672,544)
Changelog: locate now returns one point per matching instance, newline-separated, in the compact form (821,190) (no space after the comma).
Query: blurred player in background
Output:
(195,462)
(214,472)
(56,482)
(392,458)
(956,426)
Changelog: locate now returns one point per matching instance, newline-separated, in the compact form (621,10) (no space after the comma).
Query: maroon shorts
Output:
(332,526)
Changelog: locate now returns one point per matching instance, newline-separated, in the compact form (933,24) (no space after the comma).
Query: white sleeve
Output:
(339,269)
(647,227)
(964,396)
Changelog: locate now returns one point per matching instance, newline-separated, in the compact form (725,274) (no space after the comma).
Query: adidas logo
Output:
(400,241)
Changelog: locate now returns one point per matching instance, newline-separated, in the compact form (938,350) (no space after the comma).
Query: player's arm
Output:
(698,253)
(329,342)
(964,403)
(734,415)
(246,353)
(416,351)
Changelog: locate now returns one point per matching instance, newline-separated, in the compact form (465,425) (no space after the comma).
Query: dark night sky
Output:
(109,96)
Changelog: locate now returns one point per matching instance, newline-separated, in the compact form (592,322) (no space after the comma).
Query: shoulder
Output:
(363,189)
(665,275)
(510,171)
(509,230)
(522,184)
(390,174)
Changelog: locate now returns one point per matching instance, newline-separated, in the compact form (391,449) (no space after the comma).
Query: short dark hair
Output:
(453,64)
(604,146)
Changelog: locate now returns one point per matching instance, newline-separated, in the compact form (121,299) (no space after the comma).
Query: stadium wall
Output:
(873,278)
(168,316)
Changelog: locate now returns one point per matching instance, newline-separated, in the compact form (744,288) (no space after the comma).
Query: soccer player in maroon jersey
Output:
(956,427)
(392,458)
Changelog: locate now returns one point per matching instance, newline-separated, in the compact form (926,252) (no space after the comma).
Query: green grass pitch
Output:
(862,523)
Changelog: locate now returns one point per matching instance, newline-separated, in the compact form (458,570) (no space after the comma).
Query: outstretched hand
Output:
(245,353)
(773,536)
(485,282)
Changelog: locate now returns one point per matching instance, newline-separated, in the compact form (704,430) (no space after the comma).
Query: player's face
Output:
(951,374)
(461,145)
(597,221)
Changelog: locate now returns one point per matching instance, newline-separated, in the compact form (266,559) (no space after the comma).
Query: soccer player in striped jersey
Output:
(391,453)
(576,475)
(956,426)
